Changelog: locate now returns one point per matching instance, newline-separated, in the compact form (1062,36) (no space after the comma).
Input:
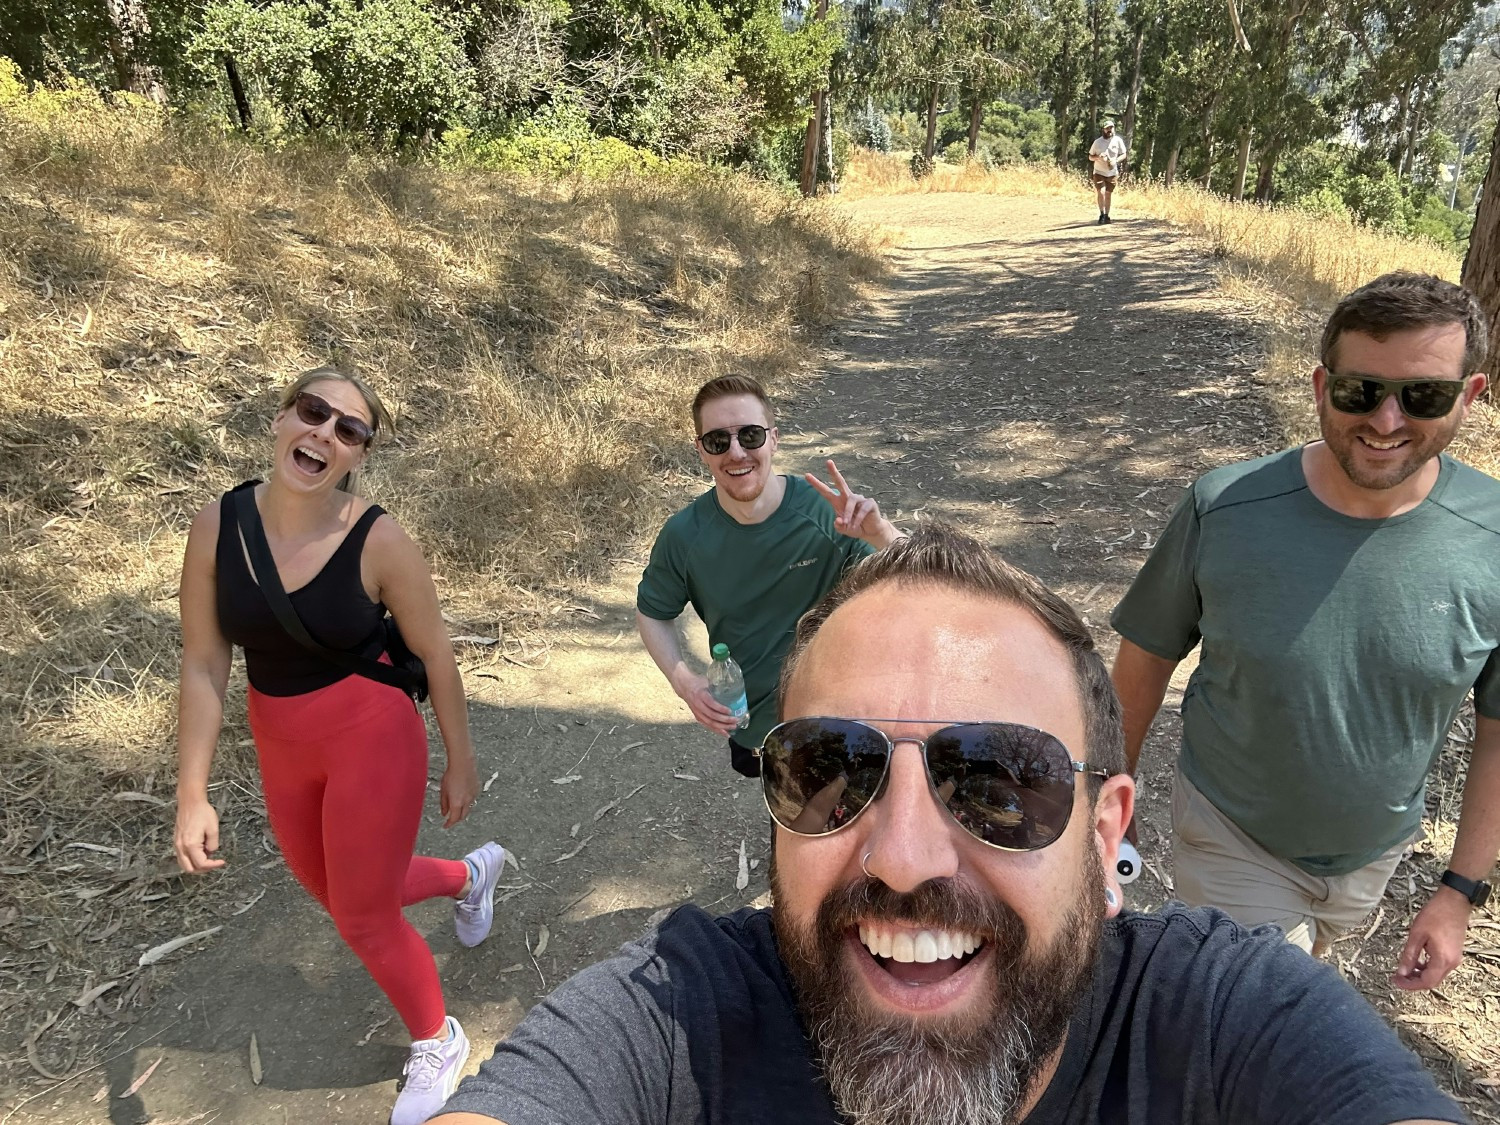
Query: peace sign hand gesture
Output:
(854,515)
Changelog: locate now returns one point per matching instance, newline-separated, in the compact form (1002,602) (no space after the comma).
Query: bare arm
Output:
(202,682)
(1141,680)
(660,639)
(1435,944)
(480,1119)
(406,587)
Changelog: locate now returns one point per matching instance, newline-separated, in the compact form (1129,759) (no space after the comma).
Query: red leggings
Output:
(344,770)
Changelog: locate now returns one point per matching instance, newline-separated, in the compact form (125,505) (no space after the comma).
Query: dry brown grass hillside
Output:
(537,341)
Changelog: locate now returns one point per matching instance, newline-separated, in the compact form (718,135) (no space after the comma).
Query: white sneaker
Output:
(475,912)
(430,1076)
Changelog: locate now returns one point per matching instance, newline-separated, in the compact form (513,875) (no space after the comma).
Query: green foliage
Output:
(692,106)
(379,68)
(535,151)
(780,65)
(869,128)
(1008,133)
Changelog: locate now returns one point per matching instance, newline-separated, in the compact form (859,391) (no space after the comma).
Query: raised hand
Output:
(854,515)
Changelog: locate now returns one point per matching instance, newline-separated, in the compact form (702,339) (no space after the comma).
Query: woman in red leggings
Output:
(343,758)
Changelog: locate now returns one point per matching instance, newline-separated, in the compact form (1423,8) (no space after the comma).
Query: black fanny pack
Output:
(406,670)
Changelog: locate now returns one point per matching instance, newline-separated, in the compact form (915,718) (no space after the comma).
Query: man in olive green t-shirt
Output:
(1346,598)
(752,555)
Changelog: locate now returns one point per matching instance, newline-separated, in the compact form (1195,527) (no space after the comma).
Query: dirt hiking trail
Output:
(1047,383)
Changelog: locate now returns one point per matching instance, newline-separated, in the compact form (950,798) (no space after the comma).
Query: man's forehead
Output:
(936,652)
(733,410)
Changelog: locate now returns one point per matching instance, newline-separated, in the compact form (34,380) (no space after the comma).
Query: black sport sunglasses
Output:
(717,441)
(1420,399)
(1007,785)
(315,411)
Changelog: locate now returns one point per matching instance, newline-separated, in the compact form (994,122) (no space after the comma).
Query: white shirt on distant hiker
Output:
(1107,151)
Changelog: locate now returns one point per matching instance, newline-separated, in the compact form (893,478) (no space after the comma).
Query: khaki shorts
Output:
(1106,182)
(1216,864)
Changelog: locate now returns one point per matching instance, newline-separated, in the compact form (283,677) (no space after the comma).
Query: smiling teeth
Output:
(923,946)
(1373,444)
(313,453)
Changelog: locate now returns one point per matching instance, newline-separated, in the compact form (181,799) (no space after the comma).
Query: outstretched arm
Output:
(1435,943)
(854,515)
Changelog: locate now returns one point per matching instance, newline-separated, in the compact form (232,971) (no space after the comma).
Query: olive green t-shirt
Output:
(1335,651)
(750,582)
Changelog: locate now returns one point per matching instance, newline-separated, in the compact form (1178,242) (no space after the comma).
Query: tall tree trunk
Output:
(129,30)
(1242,162)
(812,139)
(1458,168)
(1171,173)
(237,89)
(1096,23)
(1397,156)
(1409,158)
(1062,128)
(1143,165)
(1264,182)
(830,174)
(1127,126)
(932,115)
(812,145)
(976,115)
(1481,273)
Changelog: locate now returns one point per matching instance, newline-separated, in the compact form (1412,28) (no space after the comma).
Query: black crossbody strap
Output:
(263,566)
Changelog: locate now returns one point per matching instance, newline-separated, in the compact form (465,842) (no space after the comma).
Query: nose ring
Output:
(864,864)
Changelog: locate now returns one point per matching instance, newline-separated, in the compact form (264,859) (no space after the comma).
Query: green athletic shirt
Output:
(750,582)
(1336,651)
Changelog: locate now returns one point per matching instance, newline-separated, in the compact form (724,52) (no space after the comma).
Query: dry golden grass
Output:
(538,343)
(1290,264)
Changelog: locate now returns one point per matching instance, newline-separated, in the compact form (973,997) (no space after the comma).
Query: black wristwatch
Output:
(1477,891)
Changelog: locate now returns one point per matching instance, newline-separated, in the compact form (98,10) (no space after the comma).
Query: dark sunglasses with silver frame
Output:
(1008,785)
(1423,400)
(716,442)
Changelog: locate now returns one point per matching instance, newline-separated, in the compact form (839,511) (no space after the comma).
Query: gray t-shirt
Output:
(1335,651)
(1191,1019)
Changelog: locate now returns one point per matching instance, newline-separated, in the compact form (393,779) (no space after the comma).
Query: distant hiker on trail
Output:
(1344,597)
(752,554)
(342,747)
(1108,155)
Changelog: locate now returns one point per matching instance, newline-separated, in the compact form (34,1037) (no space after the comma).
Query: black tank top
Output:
(333,607)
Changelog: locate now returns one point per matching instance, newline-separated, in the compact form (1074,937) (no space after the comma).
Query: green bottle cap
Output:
(721,652)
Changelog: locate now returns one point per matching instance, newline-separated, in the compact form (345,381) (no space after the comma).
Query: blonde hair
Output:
(380,417)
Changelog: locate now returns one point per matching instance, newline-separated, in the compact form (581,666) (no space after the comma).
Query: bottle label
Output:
(740,708)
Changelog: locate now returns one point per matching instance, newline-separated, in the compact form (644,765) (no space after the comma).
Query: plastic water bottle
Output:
(1127,863)
(727,685)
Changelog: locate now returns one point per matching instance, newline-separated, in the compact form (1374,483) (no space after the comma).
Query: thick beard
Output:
(1341,437)
(975,1069)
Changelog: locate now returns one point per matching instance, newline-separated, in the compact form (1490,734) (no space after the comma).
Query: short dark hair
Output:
(726,386)
(937,554)
(1399,300)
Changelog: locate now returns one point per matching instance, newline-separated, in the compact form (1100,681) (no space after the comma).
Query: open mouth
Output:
(310,461)
(919,956)
(746,471)
(1383,446)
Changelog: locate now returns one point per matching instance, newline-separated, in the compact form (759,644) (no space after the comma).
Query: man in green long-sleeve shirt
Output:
(752,555)
(1346,598)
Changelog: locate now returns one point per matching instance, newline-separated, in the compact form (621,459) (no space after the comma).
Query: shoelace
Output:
(423,1066)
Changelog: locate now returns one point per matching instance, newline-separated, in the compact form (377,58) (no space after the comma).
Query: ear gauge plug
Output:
(1127,863)
(1111,899)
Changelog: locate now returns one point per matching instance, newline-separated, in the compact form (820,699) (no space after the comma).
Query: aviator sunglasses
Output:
(348,429)
(1007,785)
(1420,399)
(717,441)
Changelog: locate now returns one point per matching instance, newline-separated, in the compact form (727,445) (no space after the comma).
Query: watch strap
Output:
(1477,891)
